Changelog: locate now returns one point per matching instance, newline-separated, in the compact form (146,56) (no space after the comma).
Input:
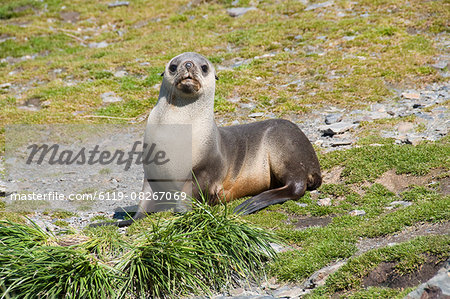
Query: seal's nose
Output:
(188,65)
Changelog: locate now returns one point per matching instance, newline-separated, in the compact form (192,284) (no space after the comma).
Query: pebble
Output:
(319,5)
(401,203)
(357,213)
(110,97)
(120,74)
(294,292)
(256,114)
(324,202)
(440,65)
(411,95)
(239,11)
(5,85)
(98,45)
(118,3)
(337,128)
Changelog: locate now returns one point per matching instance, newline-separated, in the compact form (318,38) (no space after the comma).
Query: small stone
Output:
(413,139)
(319,277)
(301,204)
(237,292)
(256,114)
(294,292)
(118,3)
(46,104)
(378,115)
(98,45)
(271,284)
(247,105)
(357,213)
(417,105)
(440,65)
(70,16)
(314,194)
(319,5)
(411,95)
(333,118)
(110,97)
(298,37)
(337,128)
(5,85)
(324,202)
(349,38)
(342,142)
(401,203)
(405,127)
(239,11)
(120,74)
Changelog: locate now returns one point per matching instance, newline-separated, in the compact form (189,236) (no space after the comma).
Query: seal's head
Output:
(190,74)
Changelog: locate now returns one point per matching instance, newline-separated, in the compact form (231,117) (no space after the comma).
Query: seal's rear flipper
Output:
(271,197)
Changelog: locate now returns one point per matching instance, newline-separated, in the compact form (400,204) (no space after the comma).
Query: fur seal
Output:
(272,160)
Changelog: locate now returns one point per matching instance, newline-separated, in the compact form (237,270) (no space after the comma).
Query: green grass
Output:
(198,252)
(369,162)
(408,257)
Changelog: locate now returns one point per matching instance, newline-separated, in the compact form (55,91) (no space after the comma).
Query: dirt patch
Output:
(385,275)
(332,176)
(399,182)
(444,186)
(407,234)
(305,222)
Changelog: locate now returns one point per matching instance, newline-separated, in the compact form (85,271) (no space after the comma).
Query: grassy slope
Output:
(393,46)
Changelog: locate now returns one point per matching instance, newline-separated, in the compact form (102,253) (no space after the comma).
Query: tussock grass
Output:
(203,250)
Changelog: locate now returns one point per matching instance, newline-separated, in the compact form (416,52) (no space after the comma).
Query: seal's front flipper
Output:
(293,190)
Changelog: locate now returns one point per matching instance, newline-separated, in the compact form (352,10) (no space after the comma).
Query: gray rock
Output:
(436,287)
(357,213)
(118,3)
(324,202)
(247,105)
(298,37)
(239,11)
(319,277)
(120,74)
(401,203)
(378,115)
(405,127)
(110,97)
(411,95)
(337,128)
(256,114)
(5,85)
(294,292)
(98,45)
(237,292)
(341,142)
(319,5)
(302,205)
(333,118)
(413,139)
(440,65)
(349,38)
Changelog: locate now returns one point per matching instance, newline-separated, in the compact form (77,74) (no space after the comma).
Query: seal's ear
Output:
(162,74)
(217,78)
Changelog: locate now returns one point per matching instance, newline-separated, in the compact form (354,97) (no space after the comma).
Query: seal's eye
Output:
(204,68)
(173,67)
